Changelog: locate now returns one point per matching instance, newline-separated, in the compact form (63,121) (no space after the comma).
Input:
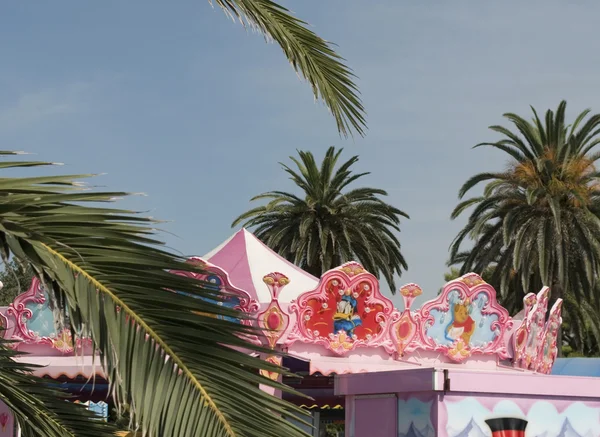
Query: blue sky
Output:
(174,100)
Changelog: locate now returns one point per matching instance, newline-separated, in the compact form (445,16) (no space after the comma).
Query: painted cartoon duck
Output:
(345,318)
(462,324)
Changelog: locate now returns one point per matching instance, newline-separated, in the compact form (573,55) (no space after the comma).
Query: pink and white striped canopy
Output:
(247,260)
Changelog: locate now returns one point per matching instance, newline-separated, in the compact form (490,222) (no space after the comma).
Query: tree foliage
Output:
(328,224)
(538,221)
(15,280)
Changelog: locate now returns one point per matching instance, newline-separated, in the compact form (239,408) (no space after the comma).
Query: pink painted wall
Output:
(375,417)
(465,414)
(417,414)
(394,415)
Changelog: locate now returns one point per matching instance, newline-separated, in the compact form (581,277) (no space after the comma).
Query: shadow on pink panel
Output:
(375,417)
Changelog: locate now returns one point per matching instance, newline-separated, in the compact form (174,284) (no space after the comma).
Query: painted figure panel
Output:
(216,279)
(465,319)
(345,311)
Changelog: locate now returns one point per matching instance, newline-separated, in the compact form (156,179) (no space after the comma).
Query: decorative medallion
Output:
(63,342)
(403,331)
(272,359)
(273,320)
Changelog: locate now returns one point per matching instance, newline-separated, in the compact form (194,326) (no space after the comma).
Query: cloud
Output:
(460,414)
(414,411)
(542,416)
(33,107)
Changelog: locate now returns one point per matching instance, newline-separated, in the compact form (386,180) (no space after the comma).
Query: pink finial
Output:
(409,292)
(276,281)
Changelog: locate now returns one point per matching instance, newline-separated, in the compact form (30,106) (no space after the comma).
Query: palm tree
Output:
(166,355)
(15,280)
(326,226)
(166,359)
(539,220)
(309,54)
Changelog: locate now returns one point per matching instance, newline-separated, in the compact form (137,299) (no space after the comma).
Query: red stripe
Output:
(508,433)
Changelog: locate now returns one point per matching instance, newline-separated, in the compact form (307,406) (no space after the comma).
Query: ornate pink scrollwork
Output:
(19,313)
(32,322)
(218,278)
(534,324)
(465,319)
(522,333)
(273,320)
(549,348)
(404,330)
(4,326)
(275,282)
(344,312)
(272,359)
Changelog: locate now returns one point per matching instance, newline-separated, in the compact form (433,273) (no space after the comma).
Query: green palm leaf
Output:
(309,55)
(327,226)
(169,356)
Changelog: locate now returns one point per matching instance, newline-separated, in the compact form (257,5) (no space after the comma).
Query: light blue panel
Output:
(483,333)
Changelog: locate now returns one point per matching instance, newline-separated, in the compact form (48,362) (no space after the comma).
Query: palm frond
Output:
(168,355)
(310,55)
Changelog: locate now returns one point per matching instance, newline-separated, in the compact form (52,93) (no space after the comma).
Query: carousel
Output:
(371,369)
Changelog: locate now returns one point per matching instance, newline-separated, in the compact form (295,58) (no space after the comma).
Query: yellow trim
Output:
(324,407)
(153,334)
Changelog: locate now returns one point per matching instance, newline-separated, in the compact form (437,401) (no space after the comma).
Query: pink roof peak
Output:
(248,260)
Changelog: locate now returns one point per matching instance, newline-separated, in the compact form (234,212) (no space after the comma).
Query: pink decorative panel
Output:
(549,350)
(375,417)
(528,342)
(465,319)
(346,311)
(522,333)
(31,319)
(219,279)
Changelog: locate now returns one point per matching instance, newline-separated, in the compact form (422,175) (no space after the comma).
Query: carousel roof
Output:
(248,260)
